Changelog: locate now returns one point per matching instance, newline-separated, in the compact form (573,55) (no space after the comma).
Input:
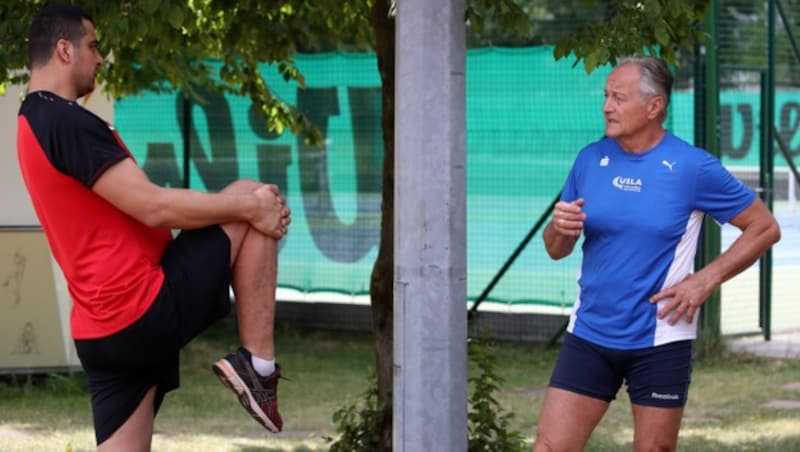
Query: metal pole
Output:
(186,134)
(711,316)
(762,182)
(768,170)
(430,292)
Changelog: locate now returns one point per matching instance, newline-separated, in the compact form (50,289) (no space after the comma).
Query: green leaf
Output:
(590,61)
(561,49)
(476,22)
(602,56)
(682,8)
(151,6)
(176,16)
(662,35)
(652,10)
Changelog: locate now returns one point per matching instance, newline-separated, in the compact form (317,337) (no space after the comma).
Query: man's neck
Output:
(43,80)
(644,141)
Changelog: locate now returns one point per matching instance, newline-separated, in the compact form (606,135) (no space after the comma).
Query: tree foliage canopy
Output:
(164,45)
(657,27)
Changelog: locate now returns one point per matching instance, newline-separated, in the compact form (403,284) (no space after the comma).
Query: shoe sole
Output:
(228,376)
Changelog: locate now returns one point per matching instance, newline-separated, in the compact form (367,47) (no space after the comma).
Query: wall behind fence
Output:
(527,117)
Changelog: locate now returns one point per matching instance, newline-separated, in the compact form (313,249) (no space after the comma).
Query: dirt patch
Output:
(11,434)
(783,404)
(793,386)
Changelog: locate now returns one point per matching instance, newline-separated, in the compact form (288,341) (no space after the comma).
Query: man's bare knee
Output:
(550,441)
(655,446)
(542,444)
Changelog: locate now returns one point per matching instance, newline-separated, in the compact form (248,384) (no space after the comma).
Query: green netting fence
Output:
(527,117)
(756,59)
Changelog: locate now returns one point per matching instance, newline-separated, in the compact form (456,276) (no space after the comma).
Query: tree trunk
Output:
(382,281)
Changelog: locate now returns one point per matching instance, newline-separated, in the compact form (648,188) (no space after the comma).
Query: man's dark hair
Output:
(54,22)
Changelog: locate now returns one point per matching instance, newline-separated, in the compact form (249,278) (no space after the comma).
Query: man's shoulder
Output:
(687,150)
(674,141)
(601,146)
(45,100)
(42,108)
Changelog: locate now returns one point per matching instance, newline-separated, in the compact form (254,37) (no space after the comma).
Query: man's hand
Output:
(568,217)
(759,229)
(564,230)
(272,217)
(687,297)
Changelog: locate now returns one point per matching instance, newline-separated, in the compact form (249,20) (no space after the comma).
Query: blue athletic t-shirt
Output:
(644,213)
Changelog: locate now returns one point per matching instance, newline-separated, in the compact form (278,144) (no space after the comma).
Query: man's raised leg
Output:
(254,280)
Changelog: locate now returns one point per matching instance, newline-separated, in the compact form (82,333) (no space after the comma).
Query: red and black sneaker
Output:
(257,394)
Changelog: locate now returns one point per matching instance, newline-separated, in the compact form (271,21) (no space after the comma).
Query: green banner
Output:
(527,117)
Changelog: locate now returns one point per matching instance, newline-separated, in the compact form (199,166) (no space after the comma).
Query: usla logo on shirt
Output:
(627,183)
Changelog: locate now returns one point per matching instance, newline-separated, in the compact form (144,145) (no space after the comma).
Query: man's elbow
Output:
(773,232)
(156,215)
(766,232)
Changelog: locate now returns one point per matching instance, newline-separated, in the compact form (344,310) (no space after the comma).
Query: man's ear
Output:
(63,50)
(654,107)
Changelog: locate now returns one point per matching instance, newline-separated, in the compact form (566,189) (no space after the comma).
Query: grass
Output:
(727,401)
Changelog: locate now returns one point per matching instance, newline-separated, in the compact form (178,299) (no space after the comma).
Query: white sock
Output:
(263,367)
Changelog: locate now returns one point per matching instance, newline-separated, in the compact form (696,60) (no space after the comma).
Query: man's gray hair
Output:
(656,78)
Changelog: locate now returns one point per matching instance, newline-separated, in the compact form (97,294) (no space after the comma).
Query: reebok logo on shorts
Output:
(656,395)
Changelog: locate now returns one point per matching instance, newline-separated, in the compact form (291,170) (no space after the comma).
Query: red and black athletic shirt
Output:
(110,260)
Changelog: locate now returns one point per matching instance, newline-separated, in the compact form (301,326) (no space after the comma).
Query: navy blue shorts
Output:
(121,368)
(655,376)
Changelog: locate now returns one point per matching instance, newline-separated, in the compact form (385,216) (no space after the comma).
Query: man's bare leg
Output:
(136,434)
(254,262)
(566,421)
(655,428)
(254,280)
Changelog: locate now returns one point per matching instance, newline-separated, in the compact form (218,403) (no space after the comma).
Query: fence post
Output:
(768,175)
(710,317)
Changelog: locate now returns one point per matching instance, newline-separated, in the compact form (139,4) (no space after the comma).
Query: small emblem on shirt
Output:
(604,161)
(668,164)
(627,183)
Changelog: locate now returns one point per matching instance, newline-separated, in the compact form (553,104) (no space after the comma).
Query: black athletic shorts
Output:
(656,376)
(121,368)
